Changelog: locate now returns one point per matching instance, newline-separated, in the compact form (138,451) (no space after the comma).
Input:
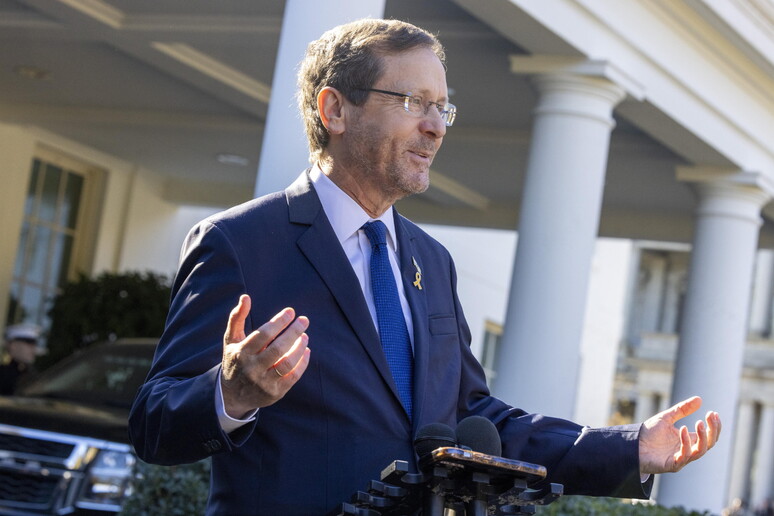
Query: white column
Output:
(714,329)
(539,357)
(763,474)
(284,152)
(744,439)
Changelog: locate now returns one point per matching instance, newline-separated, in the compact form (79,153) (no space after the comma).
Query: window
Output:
(660,292)
(52,235)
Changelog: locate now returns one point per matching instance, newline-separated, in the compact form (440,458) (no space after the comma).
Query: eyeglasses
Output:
(416,106)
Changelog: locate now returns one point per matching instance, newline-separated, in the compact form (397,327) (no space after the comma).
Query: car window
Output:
(106,375)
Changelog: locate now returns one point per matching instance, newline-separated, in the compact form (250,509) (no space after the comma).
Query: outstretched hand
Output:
(665,448)
(260,368)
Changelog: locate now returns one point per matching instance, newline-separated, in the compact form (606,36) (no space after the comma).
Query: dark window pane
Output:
(71,201)
(29,203)
(60,259)
(50,193)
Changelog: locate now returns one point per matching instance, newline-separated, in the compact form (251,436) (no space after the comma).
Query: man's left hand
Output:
(664,448)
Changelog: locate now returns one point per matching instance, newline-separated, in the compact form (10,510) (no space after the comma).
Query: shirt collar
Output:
(345,215)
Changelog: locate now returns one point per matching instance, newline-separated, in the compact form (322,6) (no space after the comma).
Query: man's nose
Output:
(433,124)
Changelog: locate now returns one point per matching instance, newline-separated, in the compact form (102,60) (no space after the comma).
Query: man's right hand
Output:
(258,369)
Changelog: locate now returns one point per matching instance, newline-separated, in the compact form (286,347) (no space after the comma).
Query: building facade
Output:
(649,351)
(121,123)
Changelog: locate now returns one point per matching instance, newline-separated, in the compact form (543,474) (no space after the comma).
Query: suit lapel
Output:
(319,244)
(408,253)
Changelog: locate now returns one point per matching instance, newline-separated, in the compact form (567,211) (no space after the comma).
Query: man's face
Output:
(22,351)
(390,149)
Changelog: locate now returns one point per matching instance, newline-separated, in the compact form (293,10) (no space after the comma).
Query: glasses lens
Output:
(449,113)
(413,105)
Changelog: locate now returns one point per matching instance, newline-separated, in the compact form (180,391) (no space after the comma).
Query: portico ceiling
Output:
(172,85)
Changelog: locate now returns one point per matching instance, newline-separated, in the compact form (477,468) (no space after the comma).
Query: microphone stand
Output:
(477,506)
(469,489)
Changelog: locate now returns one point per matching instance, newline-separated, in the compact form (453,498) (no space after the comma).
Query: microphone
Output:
(470,473)
(477,449)
(483,439)
(479,434)
(429,438)
(433,436)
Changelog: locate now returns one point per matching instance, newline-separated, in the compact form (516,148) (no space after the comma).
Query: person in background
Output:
(21,348)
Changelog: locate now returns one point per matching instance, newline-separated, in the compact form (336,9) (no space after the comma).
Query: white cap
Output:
(22,332)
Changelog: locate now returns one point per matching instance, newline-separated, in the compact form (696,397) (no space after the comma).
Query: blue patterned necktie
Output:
(392,326)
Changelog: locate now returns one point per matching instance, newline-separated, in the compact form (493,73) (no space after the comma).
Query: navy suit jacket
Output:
(342,423)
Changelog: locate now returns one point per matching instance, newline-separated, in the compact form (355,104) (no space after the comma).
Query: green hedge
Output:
(107,307)
(591,506)
(168,490)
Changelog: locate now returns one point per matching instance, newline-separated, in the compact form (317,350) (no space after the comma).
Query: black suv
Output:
(64,447)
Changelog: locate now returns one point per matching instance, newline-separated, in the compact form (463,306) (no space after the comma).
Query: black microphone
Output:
(430,438)
(479,434)
(433,436)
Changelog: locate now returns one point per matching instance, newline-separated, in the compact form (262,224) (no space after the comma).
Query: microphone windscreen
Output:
(433,436)
(479,434)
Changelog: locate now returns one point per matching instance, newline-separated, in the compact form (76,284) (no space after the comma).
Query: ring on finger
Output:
(278,373)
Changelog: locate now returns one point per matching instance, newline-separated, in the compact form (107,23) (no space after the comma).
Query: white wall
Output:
(155,228)
(603,329)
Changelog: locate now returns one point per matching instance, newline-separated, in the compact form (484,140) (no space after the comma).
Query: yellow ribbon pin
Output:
(418,275)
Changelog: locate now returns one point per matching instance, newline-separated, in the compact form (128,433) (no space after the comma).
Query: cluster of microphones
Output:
(473,433)
(460,470)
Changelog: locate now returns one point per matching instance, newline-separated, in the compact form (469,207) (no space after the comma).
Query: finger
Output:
(258,340)
(290,360)
(301,365)
(681,457)
(235,329)
(682,409)
(283,344)
(713,428)
(700,446)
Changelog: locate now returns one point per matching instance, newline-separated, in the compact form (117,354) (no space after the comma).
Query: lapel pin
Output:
(418,275)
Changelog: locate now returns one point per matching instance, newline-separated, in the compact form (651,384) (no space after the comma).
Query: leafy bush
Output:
(168,490)
(591,506)
(107,307)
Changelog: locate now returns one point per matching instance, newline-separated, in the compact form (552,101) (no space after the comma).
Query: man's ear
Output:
(330,105)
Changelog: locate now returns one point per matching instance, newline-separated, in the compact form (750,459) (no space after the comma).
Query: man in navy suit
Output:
(296,432)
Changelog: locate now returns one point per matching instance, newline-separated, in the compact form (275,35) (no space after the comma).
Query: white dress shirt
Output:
(346,218)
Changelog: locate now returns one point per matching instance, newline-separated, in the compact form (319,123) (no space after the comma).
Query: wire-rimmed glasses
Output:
(416,105)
